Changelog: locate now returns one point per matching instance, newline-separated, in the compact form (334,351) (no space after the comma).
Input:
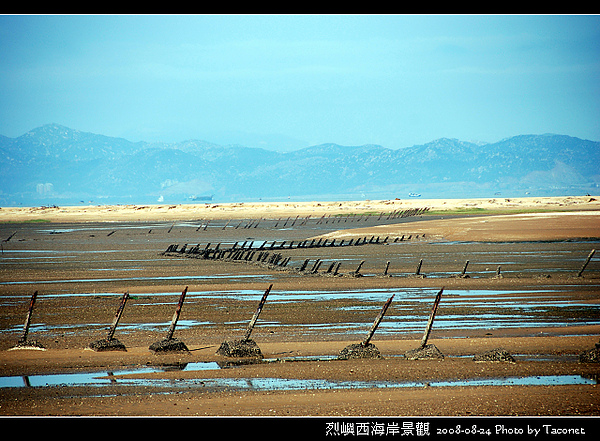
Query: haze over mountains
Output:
(54,165)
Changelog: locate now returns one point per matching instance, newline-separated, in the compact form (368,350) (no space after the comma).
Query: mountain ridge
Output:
(56,164)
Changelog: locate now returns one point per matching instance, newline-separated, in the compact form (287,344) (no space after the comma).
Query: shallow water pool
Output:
(270,384)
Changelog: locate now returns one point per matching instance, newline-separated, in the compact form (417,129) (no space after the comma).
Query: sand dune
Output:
(272,210)
(514,227)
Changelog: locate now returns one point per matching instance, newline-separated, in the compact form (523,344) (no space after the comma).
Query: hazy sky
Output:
(392,80)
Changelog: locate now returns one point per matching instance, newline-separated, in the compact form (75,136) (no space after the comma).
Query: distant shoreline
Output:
(275,210)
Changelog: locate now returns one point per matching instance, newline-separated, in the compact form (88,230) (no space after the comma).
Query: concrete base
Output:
(357,350)
(497,354)
(429,352)
(590,356)
(29,344)
(107,345)
(240,348)
(169,345)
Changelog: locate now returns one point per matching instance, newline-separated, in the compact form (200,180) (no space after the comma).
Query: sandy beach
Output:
(520,292)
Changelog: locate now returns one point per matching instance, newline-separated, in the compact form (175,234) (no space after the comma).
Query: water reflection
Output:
(271,384)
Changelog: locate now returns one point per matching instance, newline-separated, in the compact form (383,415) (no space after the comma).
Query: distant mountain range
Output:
(57,165)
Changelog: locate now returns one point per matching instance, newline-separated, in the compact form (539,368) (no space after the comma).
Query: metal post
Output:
(377,321)
(257,313)
(115,322)
(176,315)
(431,316)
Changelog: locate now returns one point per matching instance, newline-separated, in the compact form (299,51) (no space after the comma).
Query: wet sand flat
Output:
(539,309)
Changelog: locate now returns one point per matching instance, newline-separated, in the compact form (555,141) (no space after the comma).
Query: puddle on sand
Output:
(97,378)
(271,384)
(264,384)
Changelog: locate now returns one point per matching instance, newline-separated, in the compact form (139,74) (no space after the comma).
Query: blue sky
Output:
(291,81)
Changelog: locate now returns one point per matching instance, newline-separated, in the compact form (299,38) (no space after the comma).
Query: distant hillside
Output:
(57,165)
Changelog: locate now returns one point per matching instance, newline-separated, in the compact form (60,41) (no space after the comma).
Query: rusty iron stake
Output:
(377,321)
(464,271)
(303,267)
(387,266)
(431,317)
(589,257)
(115,322)
(257,313)
(28,319)
(418,271)
(176,315)
(337,268)
(359,266)
(315,266)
